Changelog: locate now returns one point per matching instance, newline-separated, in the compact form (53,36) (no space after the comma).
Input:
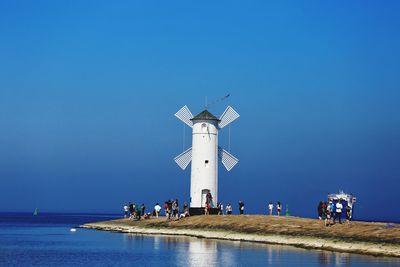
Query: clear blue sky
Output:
(88,90)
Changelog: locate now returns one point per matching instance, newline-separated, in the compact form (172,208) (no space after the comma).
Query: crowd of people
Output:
(328,211)
(171,208)
(133,211)
(228,209)
(332,210)
(271,208)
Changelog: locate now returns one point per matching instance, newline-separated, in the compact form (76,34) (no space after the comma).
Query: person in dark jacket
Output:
(131,210)
(348,214)
(241,207)
(143,209)
(320,210)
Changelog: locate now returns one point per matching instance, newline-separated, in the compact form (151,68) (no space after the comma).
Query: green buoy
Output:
(287,214)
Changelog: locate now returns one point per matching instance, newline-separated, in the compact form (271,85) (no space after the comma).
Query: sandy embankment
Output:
(378,239)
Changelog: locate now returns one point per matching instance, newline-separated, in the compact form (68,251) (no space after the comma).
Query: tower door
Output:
(204,193)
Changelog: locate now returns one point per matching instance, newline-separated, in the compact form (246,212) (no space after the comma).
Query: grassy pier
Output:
(380,239)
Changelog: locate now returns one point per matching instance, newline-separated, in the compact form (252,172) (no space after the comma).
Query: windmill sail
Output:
(227,159)
(184,158)
(227,117)
(185,115)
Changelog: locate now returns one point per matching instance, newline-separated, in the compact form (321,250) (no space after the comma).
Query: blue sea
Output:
(46,240)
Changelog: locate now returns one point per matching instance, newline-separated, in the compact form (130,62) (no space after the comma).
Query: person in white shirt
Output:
(270,207)
(157,209)
(126,211)
(228,209)
(338,213)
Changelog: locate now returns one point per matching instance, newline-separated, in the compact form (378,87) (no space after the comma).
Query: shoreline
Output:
(301,240)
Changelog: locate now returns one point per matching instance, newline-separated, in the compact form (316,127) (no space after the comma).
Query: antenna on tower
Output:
(217,100)
(229,139)
(184,137)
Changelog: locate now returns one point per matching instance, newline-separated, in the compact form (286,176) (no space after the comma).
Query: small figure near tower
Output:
(204,155)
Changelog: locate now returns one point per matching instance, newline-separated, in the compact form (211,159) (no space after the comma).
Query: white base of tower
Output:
(200,211)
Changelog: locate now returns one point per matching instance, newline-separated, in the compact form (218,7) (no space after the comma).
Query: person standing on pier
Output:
(186,208)
(131,210)
(143,209)
(157,209)
(209,199)
(279,208)
(348,214)
(338,213)
(319,209)
(241,207)
(126,211)
(175,209)
(329,212)
(206,208)
(332,208)
(229,209)
(270,207)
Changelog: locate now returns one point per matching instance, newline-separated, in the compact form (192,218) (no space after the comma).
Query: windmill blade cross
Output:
(227,117)
(185,115)
(184,158)
(227,159)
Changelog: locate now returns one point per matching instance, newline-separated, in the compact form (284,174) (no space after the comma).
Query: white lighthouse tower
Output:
(205,153)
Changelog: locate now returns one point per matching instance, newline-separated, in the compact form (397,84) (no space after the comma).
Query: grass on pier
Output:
(290,226)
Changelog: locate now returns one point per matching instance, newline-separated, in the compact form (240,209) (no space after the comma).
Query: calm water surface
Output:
(46,240)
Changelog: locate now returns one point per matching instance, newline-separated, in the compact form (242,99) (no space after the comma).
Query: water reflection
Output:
(324,258)
(342,259)
(334,258)
(273,253)
(187,251)
(202,252)
(157,242)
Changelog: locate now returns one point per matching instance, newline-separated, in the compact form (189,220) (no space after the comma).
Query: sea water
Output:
(46,240)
